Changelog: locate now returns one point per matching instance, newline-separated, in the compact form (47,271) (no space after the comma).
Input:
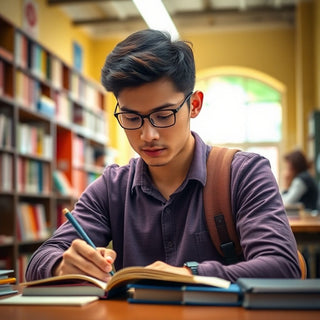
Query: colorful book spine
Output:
(32,222)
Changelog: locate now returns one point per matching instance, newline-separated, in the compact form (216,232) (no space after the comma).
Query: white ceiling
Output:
(108,18)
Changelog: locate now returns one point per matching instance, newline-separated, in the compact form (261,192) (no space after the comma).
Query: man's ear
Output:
(196,101)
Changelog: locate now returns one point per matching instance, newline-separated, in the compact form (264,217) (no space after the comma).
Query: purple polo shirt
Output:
(123,205)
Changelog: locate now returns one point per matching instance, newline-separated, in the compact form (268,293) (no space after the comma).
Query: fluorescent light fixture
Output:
(156,16)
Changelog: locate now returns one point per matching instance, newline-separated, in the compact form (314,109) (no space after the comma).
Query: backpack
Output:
(217,206)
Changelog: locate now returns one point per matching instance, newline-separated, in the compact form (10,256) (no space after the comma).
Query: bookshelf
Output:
(52,123)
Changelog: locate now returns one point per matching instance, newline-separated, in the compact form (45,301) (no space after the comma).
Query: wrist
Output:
(192,267)
(56,270)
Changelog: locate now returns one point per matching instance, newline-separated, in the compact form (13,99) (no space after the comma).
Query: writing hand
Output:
(83,259)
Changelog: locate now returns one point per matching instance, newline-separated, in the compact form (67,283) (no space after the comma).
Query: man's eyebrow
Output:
(165,106)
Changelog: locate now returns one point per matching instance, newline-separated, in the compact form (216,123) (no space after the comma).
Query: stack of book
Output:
(141,285)
(6,282)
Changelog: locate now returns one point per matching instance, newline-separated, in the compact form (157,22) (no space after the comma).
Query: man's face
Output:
(157,146)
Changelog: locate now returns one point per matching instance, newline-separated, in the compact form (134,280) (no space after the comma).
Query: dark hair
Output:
(297,160)
(146,56)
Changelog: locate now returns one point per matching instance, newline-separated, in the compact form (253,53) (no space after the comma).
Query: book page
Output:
(48,300)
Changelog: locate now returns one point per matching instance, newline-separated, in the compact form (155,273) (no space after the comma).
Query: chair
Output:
(303,266)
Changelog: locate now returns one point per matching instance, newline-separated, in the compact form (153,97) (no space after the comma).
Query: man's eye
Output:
(164,115)
(131,117)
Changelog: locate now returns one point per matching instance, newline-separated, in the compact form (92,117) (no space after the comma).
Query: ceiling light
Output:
(156,16)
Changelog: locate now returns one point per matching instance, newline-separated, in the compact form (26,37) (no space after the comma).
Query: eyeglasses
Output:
(164,118)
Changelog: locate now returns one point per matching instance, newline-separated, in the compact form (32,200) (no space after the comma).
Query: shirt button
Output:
(167,210)
(170,244)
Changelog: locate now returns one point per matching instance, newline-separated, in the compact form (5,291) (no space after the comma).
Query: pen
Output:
(79,229)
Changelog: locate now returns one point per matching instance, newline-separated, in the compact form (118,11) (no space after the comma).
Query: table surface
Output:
(305,225)
(120,310)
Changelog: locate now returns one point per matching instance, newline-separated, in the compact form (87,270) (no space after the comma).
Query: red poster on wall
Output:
(30,17)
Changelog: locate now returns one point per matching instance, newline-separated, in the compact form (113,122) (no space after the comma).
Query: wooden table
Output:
(120,310)
(307,233)
(306,230)
(307,225)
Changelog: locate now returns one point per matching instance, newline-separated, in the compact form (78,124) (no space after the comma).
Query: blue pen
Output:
(79,229)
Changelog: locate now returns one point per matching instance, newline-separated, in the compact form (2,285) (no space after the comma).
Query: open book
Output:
(82,285)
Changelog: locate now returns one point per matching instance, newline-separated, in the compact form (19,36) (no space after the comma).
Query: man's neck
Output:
(168,178)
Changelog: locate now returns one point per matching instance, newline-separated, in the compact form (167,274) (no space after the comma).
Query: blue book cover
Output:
(187,295)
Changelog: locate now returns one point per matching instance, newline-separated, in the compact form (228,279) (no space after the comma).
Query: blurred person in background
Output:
(299,185)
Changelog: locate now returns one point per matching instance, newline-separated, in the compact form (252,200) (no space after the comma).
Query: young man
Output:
(152,209)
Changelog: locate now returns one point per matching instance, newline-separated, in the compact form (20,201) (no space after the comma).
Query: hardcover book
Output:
(77,284)
(280,293)
(188,295)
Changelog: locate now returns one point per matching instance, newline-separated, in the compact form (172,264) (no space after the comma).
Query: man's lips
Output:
(153,152)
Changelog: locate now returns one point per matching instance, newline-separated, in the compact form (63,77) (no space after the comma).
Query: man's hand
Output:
(159,265)
(83,259)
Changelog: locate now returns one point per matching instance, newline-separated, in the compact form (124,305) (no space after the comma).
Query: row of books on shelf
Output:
(32,222)
(5,131)
(64,114)
(34,140)
(45,66)
(28,94)
(2,77)
(85,122)
(33,176)
(27,90)
(90,124)
(85,92)
(80,180)
(62,184)
(86,155)
(6,172)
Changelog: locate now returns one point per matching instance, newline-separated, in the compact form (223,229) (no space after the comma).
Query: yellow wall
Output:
(317,51)
(274,51)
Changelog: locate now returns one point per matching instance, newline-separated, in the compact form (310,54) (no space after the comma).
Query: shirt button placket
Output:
(168,229)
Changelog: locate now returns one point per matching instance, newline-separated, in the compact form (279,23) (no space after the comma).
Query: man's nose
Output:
(148,131)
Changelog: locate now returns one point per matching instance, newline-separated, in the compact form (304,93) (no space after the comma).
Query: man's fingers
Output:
(86,260)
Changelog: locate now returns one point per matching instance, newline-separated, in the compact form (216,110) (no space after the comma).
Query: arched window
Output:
(241,112)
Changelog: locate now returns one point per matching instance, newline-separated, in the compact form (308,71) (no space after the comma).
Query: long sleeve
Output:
(268,244)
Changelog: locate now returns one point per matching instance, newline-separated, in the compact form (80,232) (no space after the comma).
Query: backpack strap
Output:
(217,204)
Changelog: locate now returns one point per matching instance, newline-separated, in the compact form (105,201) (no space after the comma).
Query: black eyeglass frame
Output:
(142,117)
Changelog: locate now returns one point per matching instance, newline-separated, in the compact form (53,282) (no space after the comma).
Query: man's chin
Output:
(155,162)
